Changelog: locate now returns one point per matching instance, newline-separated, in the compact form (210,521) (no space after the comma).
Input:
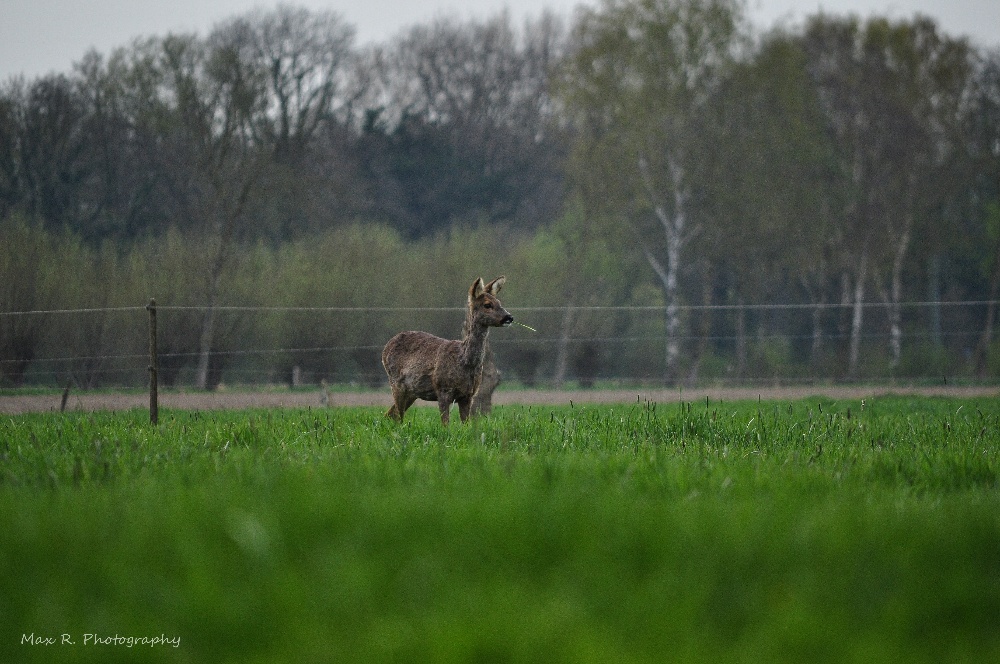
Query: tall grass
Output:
(813,530)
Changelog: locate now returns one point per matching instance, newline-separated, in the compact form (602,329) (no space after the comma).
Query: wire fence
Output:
(529,309)
(730,344)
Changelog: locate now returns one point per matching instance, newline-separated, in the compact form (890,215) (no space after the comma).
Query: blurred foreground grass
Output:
(748,532)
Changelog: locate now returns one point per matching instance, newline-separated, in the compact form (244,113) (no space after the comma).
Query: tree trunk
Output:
(228,213)
(562,350)
(896,293)
(207,330)
(704,325)
(673,224)
(818,298)
(741,340)
(671,311)
(935,331)
(986,338)
(856,318)
(672,322)
(815,352)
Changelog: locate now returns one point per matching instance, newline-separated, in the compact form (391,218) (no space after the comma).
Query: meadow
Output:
(813,530)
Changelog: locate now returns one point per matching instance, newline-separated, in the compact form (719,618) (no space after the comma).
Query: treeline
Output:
(306,311)
(276,126)
(648,152)
(321,308)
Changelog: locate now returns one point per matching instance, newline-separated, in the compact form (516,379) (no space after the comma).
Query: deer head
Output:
(485,309)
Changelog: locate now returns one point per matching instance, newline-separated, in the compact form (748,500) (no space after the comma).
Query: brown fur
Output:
(482,402)
(423,366)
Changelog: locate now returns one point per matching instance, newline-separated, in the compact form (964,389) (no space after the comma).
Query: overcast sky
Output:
(43,36)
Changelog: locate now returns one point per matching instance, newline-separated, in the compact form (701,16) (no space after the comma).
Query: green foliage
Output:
(328,305)
(925,359)
(45,272)
(24,287)
(693,532)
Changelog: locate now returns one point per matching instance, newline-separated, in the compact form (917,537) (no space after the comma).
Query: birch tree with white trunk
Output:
(638,75)
(894,93)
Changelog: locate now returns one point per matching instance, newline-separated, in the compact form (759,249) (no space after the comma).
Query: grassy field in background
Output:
(813,531)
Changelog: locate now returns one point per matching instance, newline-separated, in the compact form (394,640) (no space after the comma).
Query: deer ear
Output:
(494,286)
(477,289)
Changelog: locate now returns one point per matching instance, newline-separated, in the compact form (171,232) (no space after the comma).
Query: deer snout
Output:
(507,320)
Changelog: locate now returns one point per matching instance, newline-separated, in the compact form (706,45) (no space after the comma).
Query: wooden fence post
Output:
(154,407)
(65,396)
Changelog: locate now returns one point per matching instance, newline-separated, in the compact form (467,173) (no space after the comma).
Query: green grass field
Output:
(813,531)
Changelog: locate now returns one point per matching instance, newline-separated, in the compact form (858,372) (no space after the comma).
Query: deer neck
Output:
(474,343)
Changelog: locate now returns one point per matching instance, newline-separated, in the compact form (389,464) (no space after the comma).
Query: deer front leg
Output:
(464,408)
(444,405)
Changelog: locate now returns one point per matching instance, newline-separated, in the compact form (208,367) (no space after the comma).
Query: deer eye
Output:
(488,305)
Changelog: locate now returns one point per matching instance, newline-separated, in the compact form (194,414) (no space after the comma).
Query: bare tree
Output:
(311,82)
(304,60)
(47,168)
(467,117)
(196,101)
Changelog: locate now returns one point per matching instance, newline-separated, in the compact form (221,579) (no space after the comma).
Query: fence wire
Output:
(533,308)
(621,356)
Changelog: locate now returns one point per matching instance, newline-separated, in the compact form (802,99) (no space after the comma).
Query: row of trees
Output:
(821,164)
(276,126)
(331,302)
(836,163)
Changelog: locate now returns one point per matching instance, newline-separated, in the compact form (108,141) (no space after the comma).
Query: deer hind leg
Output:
(401,401)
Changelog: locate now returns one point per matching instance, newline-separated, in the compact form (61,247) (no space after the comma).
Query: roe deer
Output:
(423,366)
